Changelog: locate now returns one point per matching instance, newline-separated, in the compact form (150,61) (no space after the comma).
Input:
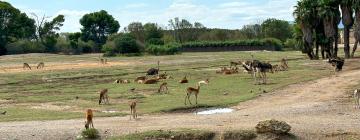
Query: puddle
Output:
(109,111)
(215,111)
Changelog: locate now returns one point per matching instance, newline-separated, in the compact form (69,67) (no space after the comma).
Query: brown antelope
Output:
(89,119)
(103,96)
(151,81)
(195,91)
(184,80)
(26,66)
(121,81)
(284,65)
(132,105)
(162,76)
(235,63)
(163,88)
(357,98)
(143,78)
(41,65)
(103,61)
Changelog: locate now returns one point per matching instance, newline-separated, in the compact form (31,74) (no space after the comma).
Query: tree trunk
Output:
(356,32)
(347,41)
(354,49)
(322,52)
(317,51)
(348,21)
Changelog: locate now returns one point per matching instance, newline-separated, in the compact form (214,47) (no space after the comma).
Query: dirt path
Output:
(317,108)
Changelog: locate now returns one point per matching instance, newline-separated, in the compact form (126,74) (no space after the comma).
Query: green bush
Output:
(91,133)
(270,42)
(291,44)
(169,49)
(24,46)
(123,44)
(87,47)
(155,41)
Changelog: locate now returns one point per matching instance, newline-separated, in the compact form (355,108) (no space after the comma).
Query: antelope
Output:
(195,91)
(259,67)
(151,81)
(184,80)
(89,119)
(154,71)
(357,98)
(163,88)
(132,105)
(103,61)
(143,78)
(162,76)
(235,63)
(121,81)
(26,66)
(41,65)
(337,63)
(103,96)
(284,64)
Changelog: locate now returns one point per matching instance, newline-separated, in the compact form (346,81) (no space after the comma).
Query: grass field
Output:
(50,94)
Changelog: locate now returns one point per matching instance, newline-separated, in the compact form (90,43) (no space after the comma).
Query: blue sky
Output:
(230,14)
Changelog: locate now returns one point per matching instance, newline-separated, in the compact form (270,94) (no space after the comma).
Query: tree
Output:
(252,31)
(274,28)
(97,27)
(184,31)
(137,30)
(356,6)
(14,25)
(121,44)
(46,31)
(348,21)
(153,34)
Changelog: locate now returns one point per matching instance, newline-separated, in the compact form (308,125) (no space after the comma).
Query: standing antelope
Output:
(89,119)
(41,65)
(163,88)
(195,91)
(26,66)
(103,96)
(133,114)
(357,98)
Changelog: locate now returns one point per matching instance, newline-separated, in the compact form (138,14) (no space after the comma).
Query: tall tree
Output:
(275,28)
(13,25)
(46,31)
(153,31)
(356,6)
(137,30)
(348,21)
(97,27)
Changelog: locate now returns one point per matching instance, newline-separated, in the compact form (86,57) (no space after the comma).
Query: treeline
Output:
(100,33)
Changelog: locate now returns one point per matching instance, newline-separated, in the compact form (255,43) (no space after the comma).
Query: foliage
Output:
(97,27)
(90,133)
(25,46)
(152,31)
(137,30)
(155,41)
(168,49)
(184,134)
(254,42)
(123,44)
(274,28)
(14,25)
(184,31)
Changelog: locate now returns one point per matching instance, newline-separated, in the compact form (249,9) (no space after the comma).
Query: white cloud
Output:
(72,18)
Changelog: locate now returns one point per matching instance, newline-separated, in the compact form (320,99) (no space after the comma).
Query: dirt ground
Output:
(319,109)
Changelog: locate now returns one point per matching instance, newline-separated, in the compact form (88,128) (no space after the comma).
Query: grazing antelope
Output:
(41,65)
(89,119)
(121,81)
(103,61)
(103,96)
(26,66)
(235,63)
(162,76)
(195,91)
(357,98)
(284,64)
(184,80)
(133,113)
(259,67)
(163,88)
(154,71)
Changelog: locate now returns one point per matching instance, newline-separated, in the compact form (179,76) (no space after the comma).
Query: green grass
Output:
(185,134)
(21,91)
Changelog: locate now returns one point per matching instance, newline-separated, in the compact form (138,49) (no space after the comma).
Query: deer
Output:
(103,96)
(337,63)
(103,60)
(143,78)
(184,80)
(284,64)
(26,66)
(235,63)
(163,76)
(357,98)
(41,65)
(163,88)
(132,105)
(195,91)
(89,119)
(151,81)
(154,71)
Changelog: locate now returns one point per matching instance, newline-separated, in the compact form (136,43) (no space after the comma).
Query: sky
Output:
(227,14)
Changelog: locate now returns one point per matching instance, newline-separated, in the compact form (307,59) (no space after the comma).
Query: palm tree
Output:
(329,11)
(348,21)
(305,16)
(356,6)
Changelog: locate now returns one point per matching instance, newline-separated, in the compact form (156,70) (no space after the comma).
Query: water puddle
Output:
(215,111)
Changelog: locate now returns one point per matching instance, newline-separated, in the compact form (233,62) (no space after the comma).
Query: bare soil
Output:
(319,109)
